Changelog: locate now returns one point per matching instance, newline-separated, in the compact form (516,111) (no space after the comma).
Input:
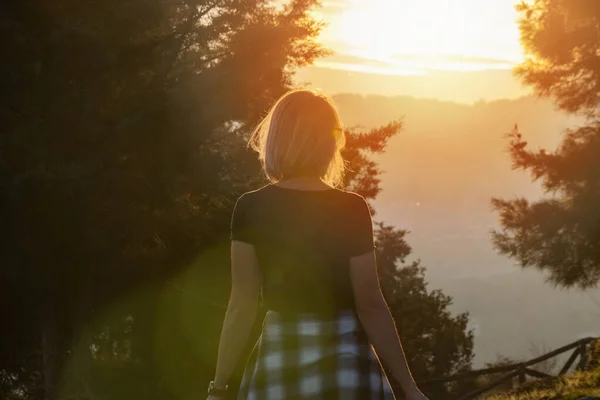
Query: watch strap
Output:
(213,391)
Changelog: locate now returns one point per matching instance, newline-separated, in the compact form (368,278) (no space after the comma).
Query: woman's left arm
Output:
(241,311)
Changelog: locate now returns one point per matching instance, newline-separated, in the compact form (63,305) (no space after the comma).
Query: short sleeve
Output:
(361,240)
(240,221)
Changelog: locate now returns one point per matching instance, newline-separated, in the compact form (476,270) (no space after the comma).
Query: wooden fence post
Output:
(583,356)
(522,374)
(569,362)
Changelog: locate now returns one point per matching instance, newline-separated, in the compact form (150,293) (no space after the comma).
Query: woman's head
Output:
(301,136)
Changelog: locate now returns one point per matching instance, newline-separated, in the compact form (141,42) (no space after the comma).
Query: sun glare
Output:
(422,35)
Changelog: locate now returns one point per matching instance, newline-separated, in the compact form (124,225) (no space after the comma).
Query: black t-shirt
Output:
(304,241)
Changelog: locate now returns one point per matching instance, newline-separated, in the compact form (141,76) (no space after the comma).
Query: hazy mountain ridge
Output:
(441,172)
(461,86)
(446,147)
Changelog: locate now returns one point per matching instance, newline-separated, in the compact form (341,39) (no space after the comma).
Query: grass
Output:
(570,387)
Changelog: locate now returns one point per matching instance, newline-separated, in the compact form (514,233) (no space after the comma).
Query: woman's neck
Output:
(303,183)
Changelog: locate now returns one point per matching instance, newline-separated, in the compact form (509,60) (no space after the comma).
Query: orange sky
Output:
(411,37)
(457,50)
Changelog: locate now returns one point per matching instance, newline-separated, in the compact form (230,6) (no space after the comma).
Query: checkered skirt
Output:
(308,357)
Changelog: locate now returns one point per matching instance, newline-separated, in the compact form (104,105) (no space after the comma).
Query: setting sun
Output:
(413,36)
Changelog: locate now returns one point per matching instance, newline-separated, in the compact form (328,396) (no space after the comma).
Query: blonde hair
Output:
(302,135)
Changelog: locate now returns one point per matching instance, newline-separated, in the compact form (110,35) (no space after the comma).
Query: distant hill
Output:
(441,172)
(450,153)
(460,86)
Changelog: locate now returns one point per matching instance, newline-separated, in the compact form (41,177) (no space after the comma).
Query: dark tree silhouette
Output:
(120,158)
(122,153)
(561,42)
(560,234)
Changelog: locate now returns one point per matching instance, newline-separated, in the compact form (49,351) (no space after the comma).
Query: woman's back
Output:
(304,240)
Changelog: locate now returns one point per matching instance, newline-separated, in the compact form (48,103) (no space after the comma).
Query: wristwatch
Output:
(213,391)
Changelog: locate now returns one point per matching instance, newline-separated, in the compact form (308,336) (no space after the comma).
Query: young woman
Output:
(308,249)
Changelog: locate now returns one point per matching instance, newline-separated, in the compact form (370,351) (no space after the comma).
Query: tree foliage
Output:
(122,154)
(561,41)
(560,234)
(362,173)
(437,343)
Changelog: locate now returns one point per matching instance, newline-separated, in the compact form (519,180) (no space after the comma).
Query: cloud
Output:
(455,58)
(415,64)
(374,69)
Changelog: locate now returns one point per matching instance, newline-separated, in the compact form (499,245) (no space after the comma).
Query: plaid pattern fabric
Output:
(310,358)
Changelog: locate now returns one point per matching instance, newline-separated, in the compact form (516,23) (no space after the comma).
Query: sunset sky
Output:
(413,36)
(421,38)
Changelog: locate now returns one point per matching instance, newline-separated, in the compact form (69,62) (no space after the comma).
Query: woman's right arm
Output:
(377,321)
